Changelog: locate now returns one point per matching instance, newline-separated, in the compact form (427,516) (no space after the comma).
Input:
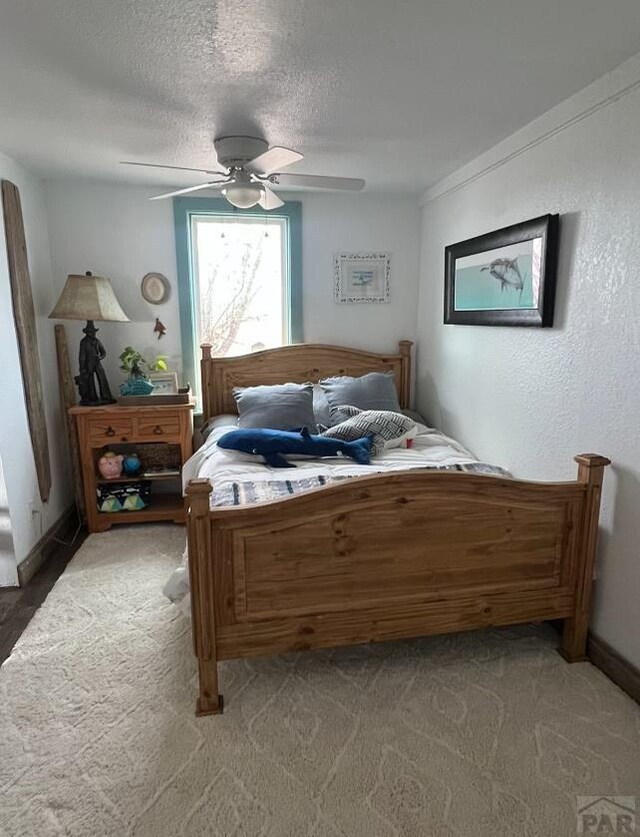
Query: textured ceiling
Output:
(401,92)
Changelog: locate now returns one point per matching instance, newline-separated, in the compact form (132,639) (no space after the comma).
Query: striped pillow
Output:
(387,429)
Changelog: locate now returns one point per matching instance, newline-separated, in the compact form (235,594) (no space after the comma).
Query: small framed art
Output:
(361,277)
(164,383)
(506,277)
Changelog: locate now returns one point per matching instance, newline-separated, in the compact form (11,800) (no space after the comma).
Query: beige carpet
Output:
(478,734)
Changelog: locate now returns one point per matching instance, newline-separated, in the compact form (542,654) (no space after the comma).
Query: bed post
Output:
(404,347)
(205,381)
(203,620)
(574,637)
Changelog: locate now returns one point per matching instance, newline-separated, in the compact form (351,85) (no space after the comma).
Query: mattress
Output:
(238,478)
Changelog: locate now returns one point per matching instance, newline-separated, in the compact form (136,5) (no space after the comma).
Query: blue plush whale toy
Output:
(272,444)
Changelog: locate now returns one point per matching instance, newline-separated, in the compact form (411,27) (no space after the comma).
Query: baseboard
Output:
(623,673)
(29,566)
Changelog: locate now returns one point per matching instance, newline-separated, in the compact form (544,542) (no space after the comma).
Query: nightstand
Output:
(162,436)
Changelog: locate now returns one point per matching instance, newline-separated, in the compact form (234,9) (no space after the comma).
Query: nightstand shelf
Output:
(125,429)
(162,507)
(139,478)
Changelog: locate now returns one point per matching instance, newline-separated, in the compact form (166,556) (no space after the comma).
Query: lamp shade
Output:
(88,298)
(242,195)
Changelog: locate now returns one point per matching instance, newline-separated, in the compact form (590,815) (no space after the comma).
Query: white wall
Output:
(115,231)
(529,399)
(332,223)
(30,518)
(8,573)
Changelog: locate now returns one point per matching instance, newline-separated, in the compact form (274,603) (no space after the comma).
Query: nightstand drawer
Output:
(110,429)
(159,426)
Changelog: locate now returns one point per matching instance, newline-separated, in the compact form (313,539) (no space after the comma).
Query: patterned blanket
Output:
(260,491)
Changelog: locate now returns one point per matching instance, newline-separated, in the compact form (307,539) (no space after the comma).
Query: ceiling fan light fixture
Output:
(243,195)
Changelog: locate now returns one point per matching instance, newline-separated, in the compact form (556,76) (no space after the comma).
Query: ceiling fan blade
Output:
(176,168)
(314,181)
(275,158)
(269,199)
(215,184)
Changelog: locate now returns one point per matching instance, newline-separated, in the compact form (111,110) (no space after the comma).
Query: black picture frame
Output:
(546,227)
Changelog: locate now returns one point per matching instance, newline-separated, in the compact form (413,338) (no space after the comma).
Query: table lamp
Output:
(90,298)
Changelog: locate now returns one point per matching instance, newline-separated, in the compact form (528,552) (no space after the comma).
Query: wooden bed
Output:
(383,557)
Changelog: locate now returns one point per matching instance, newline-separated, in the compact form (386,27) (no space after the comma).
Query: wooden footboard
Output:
(386,557)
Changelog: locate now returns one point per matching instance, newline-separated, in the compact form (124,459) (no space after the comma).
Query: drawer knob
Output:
(110,431)
(158,430)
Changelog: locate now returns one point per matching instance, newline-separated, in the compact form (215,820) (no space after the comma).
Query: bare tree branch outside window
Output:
(240,281)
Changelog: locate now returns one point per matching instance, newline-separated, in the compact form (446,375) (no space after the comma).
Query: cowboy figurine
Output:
(92,352)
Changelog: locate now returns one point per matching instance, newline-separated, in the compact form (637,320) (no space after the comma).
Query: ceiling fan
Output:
(251,169)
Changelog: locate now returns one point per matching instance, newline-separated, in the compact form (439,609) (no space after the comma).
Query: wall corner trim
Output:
(607,90)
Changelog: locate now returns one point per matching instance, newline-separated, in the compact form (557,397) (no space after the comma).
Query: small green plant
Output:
(131,362)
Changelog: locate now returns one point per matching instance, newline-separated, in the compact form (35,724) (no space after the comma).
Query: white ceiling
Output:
(401,92)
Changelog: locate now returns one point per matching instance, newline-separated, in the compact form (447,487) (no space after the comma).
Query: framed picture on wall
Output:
(506,277)
(361,277)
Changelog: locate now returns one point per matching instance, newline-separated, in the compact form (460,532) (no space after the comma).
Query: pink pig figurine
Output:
(110,465)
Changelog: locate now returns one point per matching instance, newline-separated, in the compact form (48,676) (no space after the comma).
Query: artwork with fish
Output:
(508,277)
(509,283)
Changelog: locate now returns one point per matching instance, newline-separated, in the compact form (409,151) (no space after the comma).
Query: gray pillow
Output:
(416,416)
(321,408)
(280,407)
(375,391)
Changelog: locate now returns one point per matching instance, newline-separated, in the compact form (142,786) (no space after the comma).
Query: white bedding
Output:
(430,448)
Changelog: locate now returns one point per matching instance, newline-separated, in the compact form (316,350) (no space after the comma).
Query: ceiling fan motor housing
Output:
(235,152)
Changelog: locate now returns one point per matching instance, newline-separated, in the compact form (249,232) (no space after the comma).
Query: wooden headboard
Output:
(298,364)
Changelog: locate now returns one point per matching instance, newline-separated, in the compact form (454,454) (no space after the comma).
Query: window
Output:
(239,278)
